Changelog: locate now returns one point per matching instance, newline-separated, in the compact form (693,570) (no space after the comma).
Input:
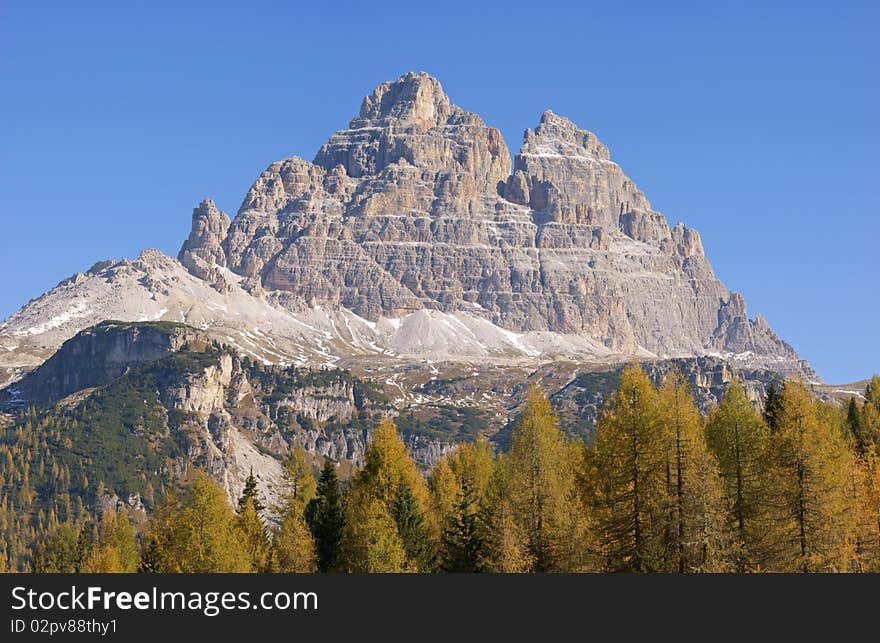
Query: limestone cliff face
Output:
(415,206)
(99,355)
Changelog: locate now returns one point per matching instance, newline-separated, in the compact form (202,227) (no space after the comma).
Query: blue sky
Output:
(755,123)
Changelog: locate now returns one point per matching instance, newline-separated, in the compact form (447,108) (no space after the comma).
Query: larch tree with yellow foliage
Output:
(540,494)
(694,534)
(293,547)
(196,533)
(390,485)
(811,526)
(460,489)
(740,439)
(115,550)
(627,477)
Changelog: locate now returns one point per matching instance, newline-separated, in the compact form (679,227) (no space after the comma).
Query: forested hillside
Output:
(659,488)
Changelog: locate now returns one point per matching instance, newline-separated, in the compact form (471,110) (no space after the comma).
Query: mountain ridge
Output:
(414,238)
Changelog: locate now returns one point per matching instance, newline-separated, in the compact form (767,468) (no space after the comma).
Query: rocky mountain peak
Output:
(558,136)
(409,234)
(414,99)
(204,248)
(410,121)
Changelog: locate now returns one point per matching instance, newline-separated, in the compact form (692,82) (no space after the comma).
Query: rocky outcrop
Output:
(96,357)
(415,206)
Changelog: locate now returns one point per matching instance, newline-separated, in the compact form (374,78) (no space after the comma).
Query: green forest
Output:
(793,487)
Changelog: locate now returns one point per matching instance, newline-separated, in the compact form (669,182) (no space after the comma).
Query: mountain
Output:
(408,270)
(413,207)
(408,238)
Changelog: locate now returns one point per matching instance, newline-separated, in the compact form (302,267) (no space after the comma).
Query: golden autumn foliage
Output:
(811,526)
(659,488)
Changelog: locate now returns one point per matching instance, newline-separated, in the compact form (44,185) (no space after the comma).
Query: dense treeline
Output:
(795,488)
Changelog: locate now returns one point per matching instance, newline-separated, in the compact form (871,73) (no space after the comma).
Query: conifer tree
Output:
(293,545)
(460,487)
(371,542)
(251,493)
(772,407)
(865,490)
(299,472)
(628,479)
(739,438)
(541,492)
(197,533)
(60,552)
(811,527)
(872,392)
(325,517)
(694,532)
(389,473)
(115,550)
(507,547)
(253,538)
(420,550)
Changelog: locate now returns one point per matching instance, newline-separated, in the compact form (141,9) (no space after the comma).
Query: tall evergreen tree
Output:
(250,493)
(325,518)
(772,407)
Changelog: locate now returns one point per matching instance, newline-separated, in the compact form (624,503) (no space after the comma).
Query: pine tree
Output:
(739,438)
(325,518)
(811,526)
(772,407)
(250,493)
(627,478)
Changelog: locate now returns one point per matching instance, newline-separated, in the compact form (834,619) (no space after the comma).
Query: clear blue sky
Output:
(755,124)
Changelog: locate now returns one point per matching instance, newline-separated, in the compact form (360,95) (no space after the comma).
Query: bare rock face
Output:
(415,206)
(98,355)
(209,229)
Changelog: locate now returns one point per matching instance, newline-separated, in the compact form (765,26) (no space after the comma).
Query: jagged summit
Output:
(413,206)
(558,136)
(413,99)
(410,234)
